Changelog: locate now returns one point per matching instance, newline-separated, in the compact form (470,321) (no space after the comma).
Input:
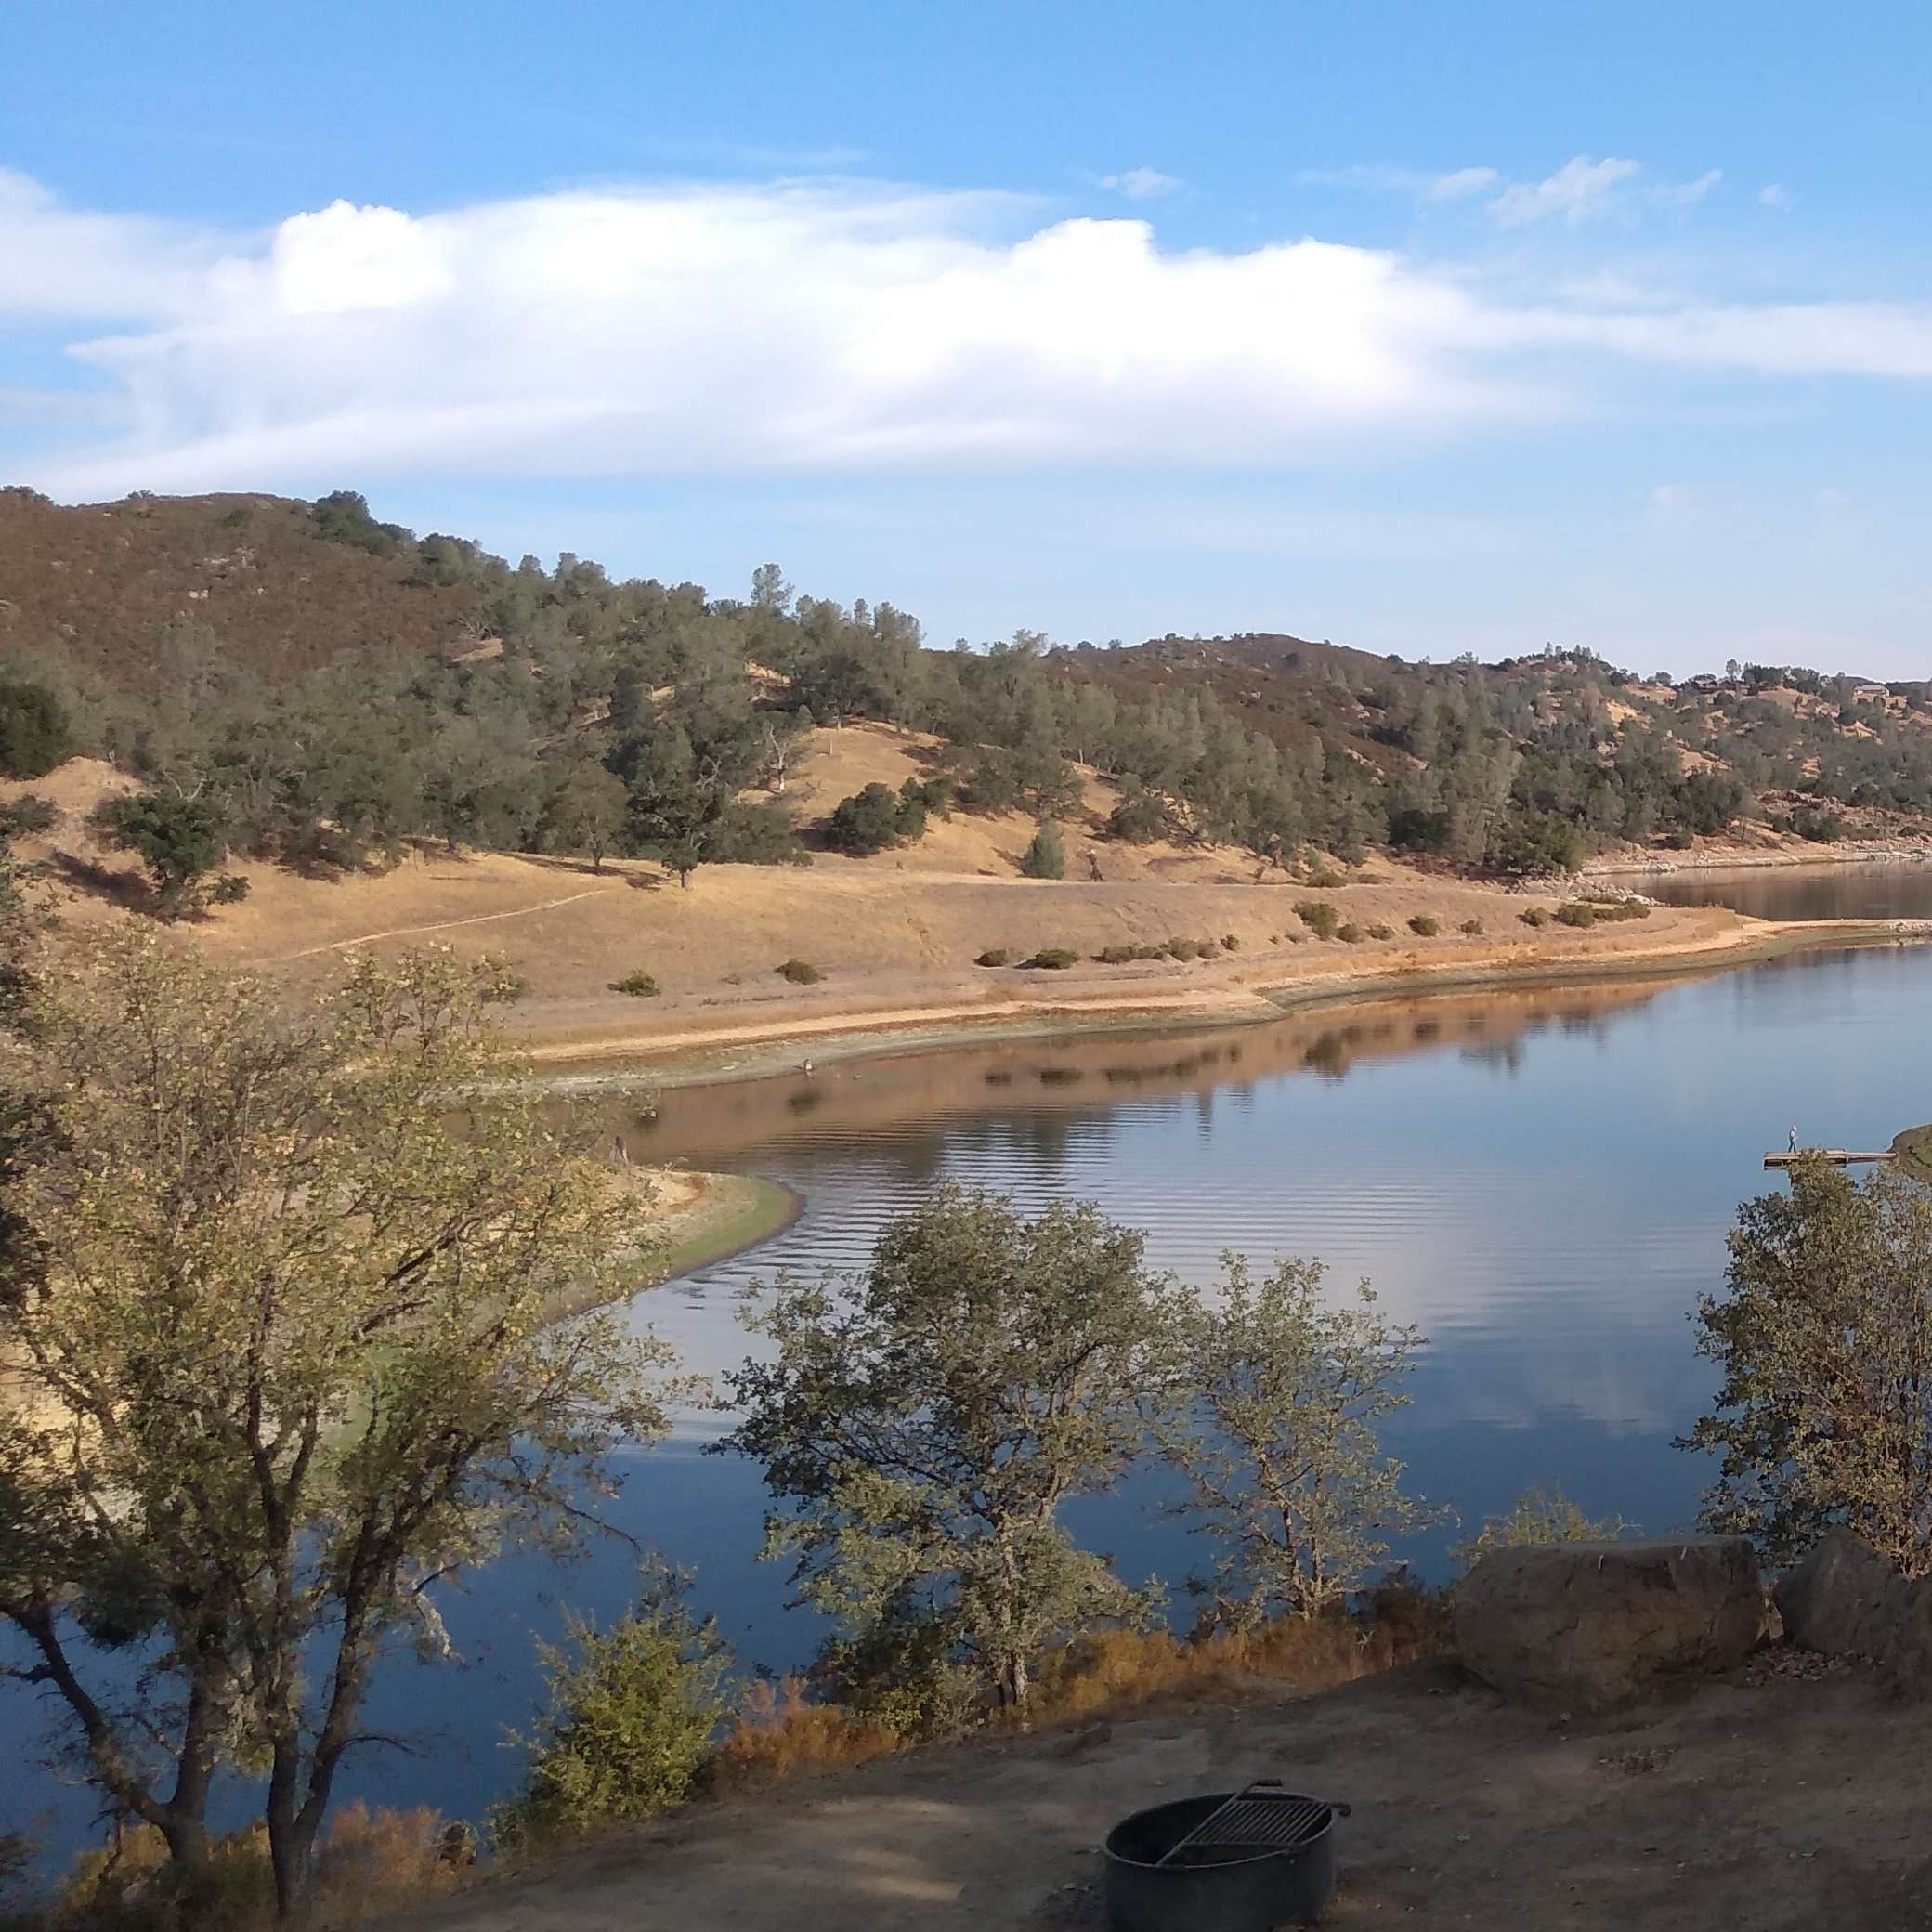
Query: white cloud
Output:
(1141,184)
(1686,194)
(814,329)
(1579,190)
(1460,185)
(1771,196)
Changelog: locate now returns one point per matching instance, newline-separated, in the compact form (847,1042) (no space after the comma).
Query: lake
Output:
(1824,891)
(1541,1181)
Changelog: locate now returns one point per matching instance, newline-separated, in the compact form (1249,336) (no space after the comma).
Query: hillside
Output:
(99,583)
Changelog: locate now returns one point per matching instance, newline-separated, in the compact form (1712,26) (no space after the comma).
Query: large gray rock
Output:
(1847,1600)
(1587,1626)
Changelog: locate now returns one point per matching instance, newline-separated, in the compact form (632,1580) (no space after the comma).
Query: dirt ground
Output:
(1758,1804)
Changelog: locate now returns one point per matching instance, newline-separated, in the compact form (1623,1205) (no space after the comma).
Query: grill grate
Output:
(1260,1818)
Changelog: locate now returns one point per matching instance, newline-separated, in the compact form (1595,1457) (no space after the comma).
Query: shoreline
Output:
(759,1049)
(1750,859)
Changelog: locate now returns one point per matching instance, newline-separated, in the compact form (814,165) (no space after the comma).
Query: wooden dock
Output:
(1834,1156)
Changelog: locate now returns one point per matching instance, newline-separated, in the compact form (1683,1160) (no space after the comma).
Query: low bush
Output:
(1472,927)
(1424,926)
(1322,920)
(1350,934)
(801,972)
(29,813)
(230,889)
(995,956)
(1117,954)
(1681,839)
(1578,912)
(640,985)
(1820,828)
(1535,916)
(1055,958)
(1378,930)
(1230,942)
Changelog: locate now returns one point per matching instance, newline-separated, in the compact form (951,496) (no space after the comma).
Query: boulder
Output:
(1588,1626)
(1847,1601)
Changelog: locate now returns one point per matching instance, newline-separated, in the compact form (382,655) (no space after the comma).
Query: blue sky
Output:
(1424,328)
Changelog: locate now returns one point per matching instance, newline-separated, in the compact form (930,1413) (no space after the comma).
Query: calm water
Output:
(1803,892)
(1542,1182)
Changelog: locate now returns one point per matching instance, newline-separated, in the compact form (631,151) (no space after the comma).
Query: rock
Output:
(1587,1626)
(1847,1601)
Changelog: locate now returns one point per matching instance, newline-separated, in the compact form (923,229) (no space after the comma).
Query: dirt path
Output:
(1756,1807)
(442,925)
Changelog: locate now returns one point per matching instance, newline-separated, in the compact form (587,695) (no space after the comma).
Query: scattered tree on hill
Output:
(281,1310)
(587,813)
(1046,856)
(34,736)
(1280,1442)
(174,837)
(1824,1338)
(920,1427)
(864,823)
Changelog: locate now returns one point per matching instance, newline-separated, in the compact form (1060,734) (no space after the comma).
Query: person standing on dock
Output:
(1793,1140)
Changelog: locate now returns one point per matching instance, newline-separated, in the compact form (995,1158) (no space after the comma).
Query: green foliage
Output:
(1046,856)
(1230,942)
(628,1720)
(1577,912)
(1350,934)
(358,1383)
(230,889)
(1424,925)
(1321,920)
(1820,828)
(1538,1516)
(868,821)
(994,956)
(922,1426)
(801,972)
(174,837)
(1471,927)
(1140,817)
(1533,916)
(342,516)
(1279,1442)
(587,811)
(1823,1337)
(34,734)
(1055,958)
(639,984)
(29,813)
(755,832)
(1378,930)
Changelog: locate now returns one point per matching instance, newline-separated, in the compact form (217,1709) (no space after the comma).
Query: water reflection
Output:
(1824,891)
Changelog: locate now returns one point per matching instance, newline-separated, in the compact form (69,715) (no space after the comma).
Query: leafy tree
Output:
(587,812)
(924,1423)
(1279,1443)
(1045,857)
(34,734)
(867,822)
(1140,817)
(769,591)
(342,516)
(627,1726)
(756,833)
(174,837)
(1824,1338)
(287,1362)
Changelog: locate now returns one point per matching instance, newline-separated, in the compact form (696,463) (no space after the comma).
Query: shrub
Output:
(1230,942)
(1535,916)
(34,736)
(230,889)
(1322,920)
(867,822)
(801,972)
(1378,930)
(1055,958)
(1576,913)
(29,813)
(994,956)
(176,839)
(756,833)
(1350,935)
(1538,1516)
(1681,839)
(1046,858)
(1472,927)
(1115,955)
(1140,817)
(640,985)
(628,1724)
(1820,828)
(1424,925)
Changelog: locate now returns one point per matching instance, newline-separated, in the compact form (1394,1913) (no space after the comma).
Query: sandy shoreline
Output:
(683,1057)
